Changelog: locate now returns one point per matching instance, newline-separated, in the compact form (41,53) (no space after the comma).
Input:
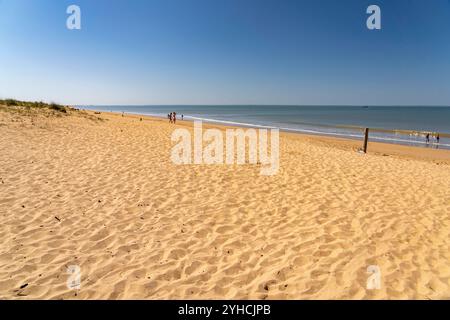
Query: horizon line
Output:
(262,105)
(234,104)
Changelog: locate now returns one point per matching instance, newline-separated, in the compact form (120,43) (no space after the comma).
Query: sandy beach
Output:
(100,191)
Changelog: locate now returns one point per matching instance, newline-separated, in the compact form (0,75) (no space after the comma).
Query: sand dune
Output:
(104,195)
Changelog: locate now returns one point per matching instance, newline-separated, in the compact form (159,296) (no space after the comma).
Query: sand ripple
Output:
(105,196)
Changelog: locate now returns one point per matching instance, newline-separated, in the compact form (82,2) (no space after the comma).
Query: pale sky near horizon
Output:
(226,52)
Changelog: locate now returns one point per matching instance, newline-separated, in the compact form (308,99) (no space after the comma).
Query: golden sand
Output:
(105,195)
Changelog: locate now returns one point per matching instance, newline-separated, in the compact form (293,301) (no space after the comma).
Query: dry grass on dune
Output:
(104,195)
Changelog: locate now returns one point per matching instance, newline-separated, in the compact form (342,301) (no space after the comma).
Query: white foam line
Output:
(361,136)
(411,141)
(232,122)
(295,130)
(324,132)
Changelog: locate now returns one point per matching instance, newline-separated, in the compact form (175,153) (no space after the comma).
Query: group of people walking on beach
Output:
(173,117)
(427,138)
(428,141)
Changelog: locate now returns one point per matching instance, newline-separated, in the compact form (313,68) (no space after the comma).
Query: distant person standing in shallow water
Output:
(427,138)
(174,117)
(182,117)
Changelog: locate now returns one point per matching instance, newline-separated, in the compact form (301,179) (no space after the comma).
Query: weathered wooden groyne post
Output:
(366,139)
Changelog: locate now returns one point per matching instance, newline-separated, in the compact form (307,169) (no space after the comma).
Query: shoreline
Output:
(389,136)
(439,156)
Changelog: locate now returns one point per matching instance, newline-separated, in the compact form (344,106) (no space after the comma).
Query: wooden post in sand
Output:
(366,139)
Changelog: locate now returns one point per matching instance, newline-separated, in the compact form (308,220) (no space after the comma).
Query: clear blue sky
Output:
(226,52)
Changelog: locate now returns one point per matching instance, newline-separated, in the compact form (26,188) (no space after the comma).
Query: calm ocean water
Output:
(344,121)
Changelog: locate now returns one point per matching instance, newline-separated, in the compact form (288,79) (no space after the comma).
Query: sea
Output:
(406,125)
